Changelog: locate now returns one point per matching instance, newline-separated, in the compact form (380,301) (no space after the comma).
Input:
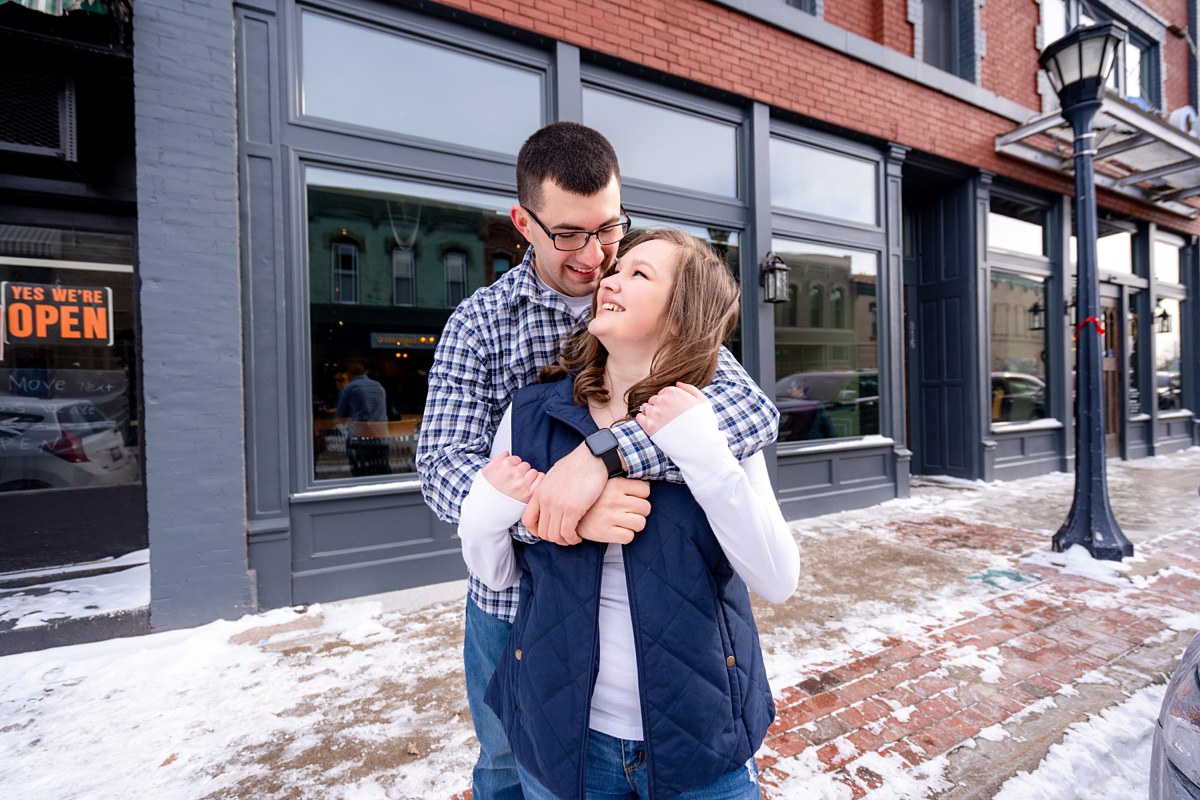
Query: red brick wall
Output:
(719,47)
(1009,65)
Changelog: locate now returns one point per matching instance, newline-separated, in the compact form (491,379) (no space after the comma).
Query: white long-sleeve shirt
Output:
(739,503)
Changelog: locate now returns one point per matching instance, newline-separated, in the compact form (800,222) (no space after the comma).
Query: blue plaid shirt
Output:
(494,343)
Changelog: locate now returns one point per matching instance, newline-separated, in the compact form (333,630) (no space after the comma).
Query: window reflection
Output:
(1166,262)
(1018,347)
(68,366)
(685,150)
(817,181)
(1168,356)
(1015,235)
(441,94)
(724,241)
(419,250)
(826,352)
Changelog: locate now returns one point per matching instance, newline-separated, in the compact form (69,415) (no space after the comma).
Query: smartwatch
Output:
(603,445)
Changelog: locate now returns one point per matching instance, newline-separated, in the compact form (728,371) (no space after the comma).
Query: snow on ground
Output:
(1108,756)
(62,596)
(364,701)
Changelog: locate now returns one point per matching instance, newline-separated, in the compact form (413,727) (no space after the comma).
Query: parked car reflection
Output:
(1017,397)
(1175,757)
(60,443)
(827,405)
(1170,390)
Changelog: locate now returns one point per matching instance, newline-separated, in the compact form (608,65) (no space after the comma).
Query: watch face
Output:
(602,441)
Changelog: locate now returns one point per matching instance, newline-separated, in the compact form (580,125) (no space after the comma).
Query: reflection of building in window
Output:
(345,272)
(500,264)
(816,299)
(404,289)
(837,303)
(454,262)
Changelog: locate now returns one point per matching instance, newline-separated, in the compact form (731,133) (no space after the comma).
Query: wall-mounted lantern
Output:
(1162,320)
(774,273)
(1037,316)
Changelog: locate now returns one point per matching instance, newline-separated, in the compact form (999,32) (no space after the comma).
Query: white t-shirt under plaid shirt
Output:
(494,343)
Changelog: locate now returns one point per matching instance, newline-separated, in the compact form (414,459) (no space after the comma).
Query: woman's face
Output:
(631,303)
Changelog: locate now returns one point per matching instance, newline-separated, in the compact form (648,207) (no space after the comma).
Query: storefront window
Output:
(1018,347)
(1015,235)
(441,93)
(68,365)
(1114,253)
(817,181)
(1166,261)
(686,150)
(420,250)
(722,240)
(1168,356)
(828,384)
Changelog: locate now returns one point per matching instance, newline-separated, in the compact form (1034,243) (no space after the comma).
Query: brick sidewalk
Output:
(914,701)
(917,700)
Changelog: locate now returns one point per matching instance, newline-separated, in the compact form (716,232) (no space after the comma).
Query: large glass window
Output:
(68,365)
(435,92)
(1114,253)
(426,244)
(724,241)
(1018,348)
(665,145)
(829,372)
(1166,261)
(1016,228)
(1168,355)
(818,181)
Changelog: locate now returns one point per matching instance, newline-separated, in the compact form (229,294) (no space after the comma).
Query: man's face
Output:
(571,273)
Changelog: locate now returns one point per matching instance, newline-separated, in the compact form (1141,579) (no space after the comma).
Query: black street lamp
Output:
(1078,66)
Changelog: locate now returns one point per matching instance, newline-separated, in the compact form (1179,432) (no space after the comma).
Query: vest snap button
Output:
(729,662)
(518,654)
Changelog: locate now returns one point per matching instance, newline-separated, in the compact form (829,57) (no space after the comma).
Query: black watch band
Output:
(603,445)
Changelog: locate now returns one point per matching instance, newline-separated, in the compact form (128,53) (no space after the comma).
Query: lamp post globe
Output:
(1078,66)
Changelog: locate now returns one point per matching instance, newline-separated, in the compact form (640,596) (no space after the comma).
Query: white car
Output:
(1175,759)
(60,443)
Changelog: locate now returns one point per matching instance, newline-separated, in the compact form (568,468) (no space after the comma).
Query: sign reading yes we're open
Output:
(38,313)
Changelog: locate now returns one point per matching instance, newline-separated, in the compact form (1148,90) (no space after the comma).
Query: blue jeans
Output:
(616,770)
(495,774)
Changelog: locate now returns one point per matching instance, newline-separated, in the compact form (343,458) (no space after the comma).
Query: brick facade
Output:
(720,47)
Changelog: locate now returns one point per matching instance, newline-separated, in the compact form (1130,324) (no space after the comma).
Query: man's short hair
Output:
(578,159)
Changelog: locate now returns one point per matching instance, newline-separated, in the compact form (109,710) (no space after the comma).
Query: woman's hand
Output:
(668,404)
(511,476)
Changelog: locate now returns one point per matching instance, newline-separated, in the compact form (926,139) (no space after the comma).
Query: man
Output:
(495,342)
(362,408)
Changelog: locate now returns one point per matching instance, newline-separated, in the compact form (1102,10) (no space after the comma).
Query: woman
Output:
(634,670)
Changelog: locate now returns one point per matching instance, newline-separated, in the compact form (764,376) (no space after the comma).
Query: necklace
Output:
(607,409)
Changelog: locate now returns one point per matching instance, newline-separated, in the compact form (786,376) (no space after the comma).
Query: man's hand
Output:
(620,512)
(567,490)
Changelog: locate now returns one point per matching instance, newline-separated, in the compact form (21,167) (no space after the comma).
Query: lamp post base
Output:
(1099,534)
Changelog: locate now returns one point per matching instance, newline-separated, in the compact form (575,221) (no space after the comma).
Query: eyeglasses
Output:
(570,241)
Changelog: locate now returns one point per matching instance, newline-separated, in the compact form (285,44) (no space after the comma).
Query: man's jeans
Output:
(616,770)
(495,774)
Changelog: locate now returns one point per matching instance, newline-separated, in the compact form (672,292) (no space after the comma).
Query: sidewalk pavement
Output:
(934,648)
(1019,643)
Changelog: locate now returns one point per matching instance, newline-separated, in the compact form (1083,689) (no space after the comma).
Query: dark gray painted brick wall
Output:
(190,311)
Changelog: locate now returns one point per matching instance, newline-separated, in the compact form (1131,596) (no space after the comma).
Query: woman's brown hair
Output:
(701,313)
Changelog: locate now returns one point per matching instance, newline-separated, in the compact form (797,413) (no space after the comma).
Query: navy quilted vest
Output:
(705,700)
